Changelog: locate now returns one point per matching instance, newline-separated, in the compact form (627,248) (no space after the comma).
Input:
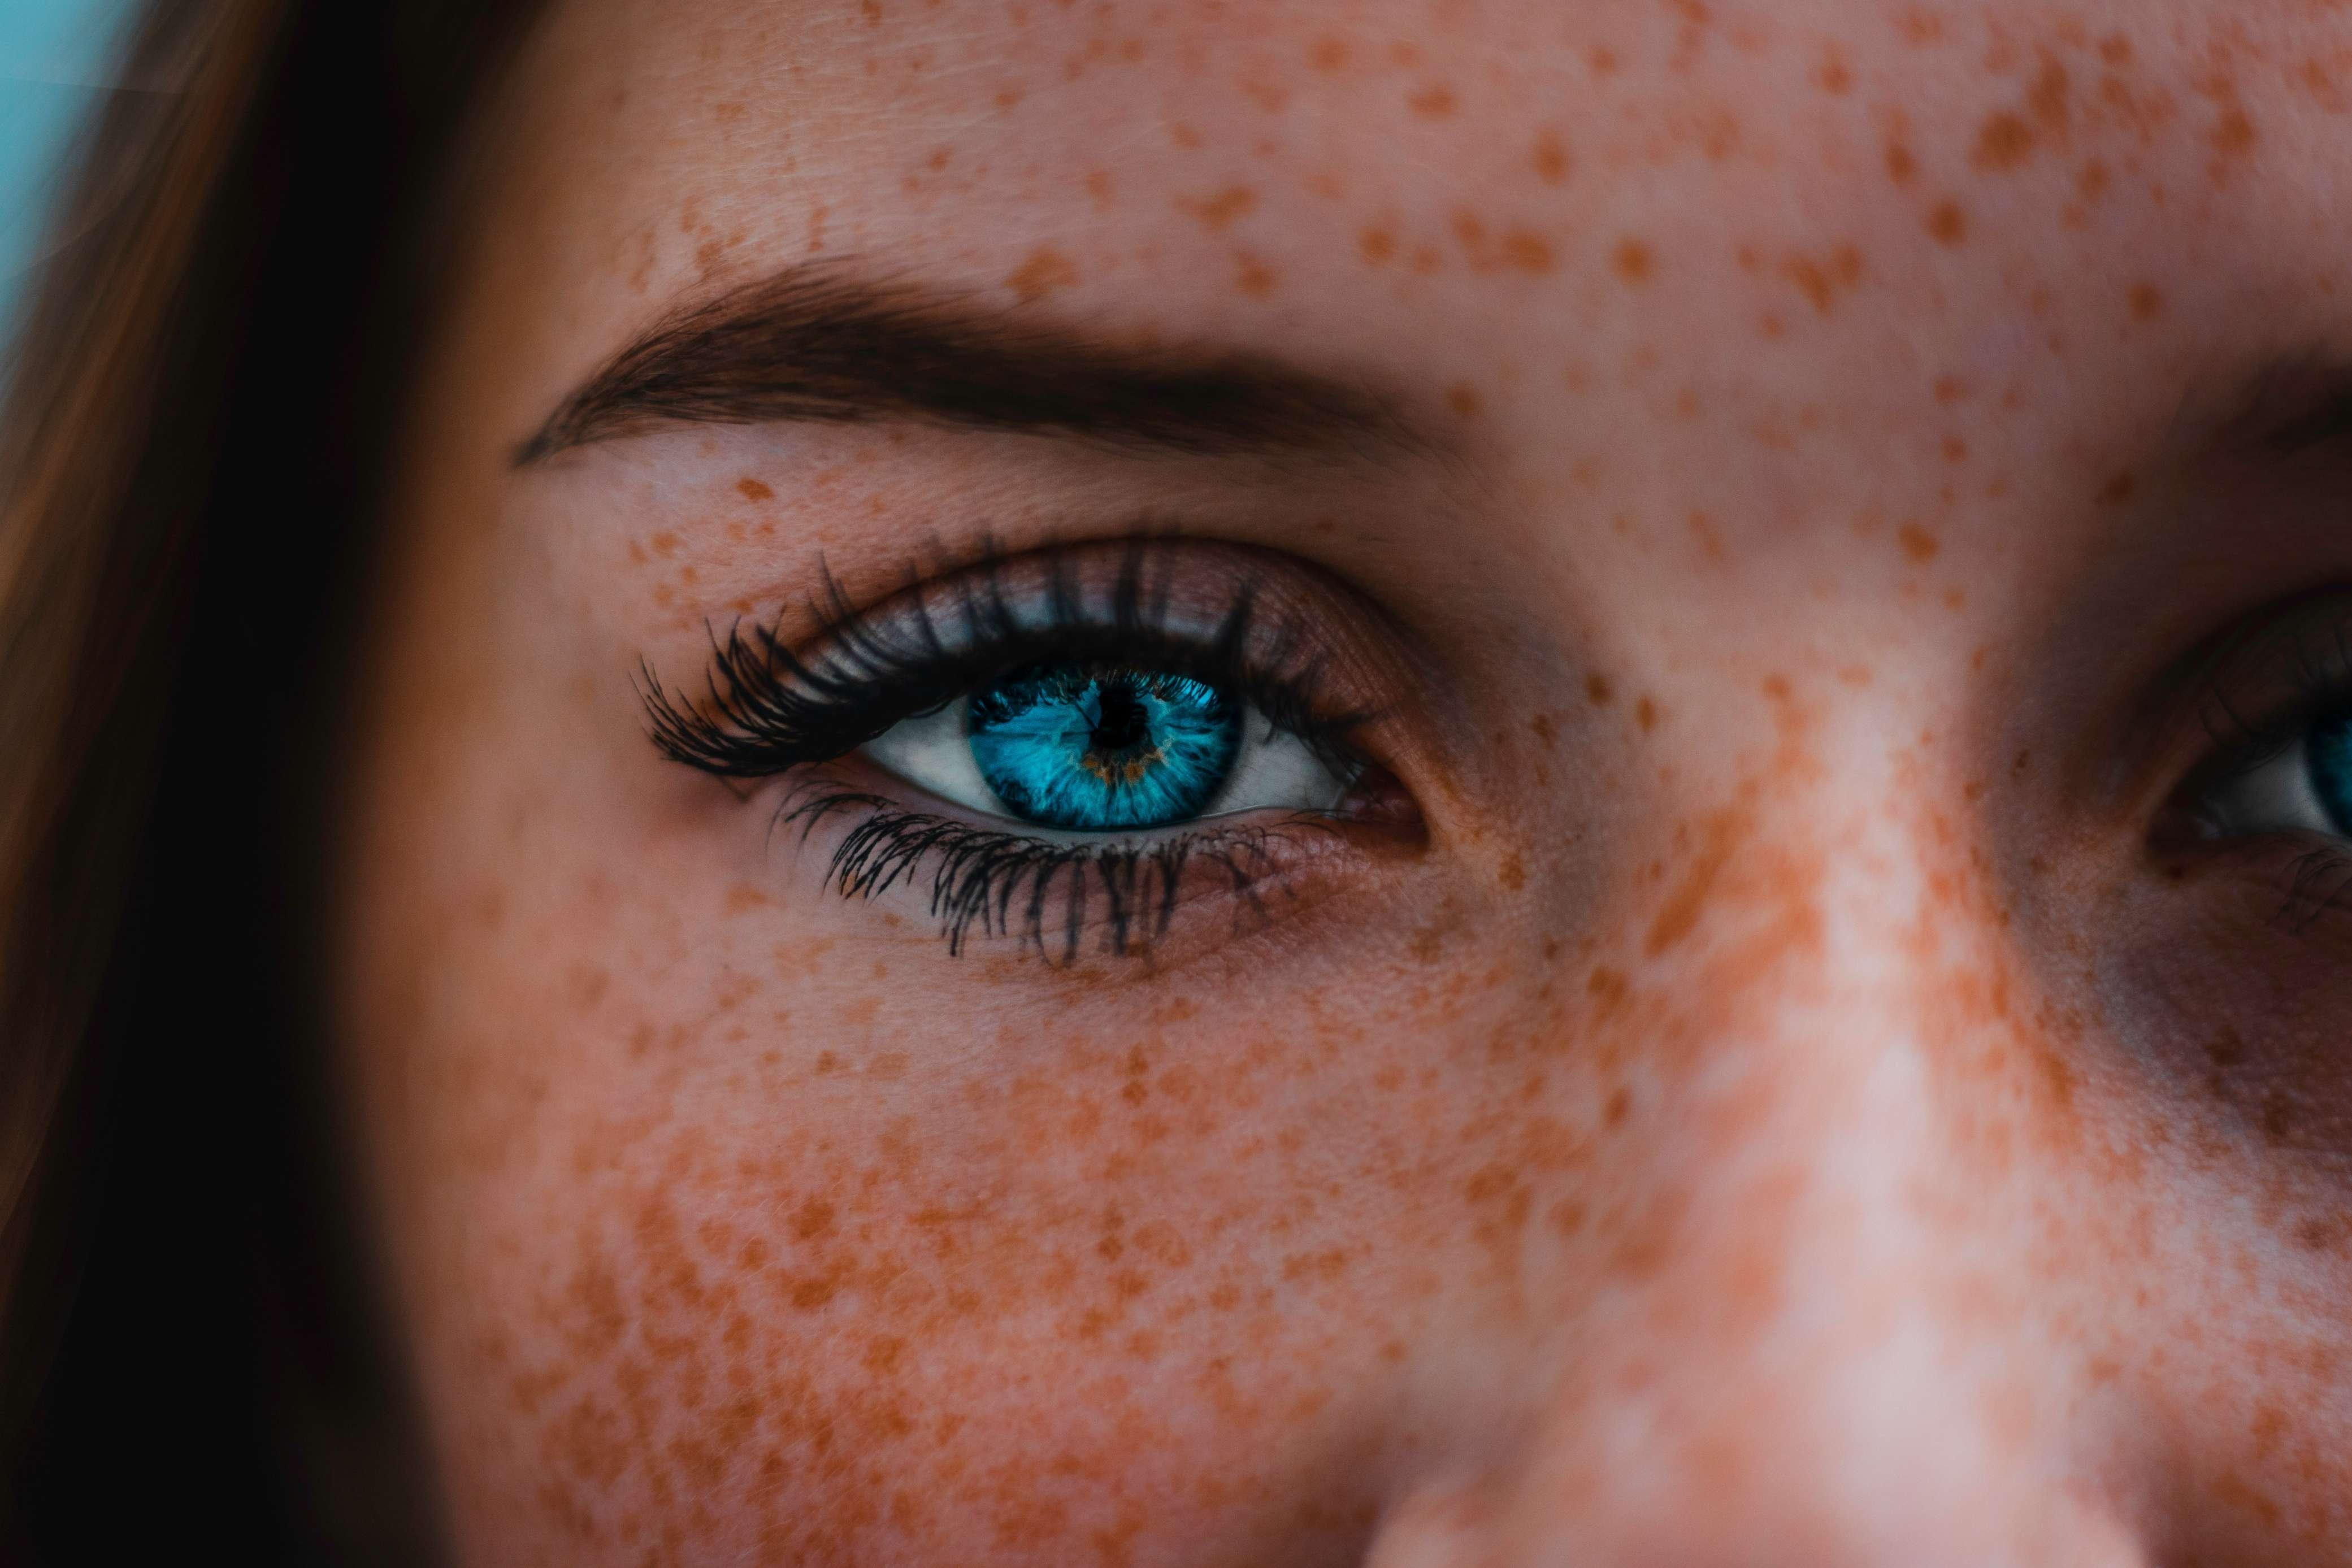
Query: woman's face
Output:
(1435,782)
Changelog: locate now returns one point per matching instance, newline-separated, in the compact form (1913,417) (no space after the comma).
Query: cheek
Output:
(822,1290)
(710,1228)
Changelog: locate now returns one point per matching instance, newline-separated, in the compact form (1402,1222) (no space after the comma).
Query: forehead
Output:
(1808,225)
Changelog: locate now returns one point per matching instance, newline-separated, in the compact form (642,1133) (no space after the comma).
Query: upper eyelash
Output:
(767,709)
(2321,677)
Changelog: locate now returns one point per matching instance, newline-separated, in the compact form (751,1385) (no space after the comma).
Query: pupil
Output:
(1122,724)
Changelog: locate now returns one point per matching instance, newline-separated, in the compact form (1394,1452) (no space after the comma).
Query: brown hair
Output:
(194,419)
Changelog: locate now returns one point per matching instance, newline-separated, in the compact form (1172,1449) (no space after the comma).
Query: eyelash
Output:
(1006,884)
(2321,682)
(768,711)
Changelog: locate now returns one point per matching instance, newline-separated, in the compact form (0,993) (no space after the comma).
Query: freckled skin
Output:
(1781,1116)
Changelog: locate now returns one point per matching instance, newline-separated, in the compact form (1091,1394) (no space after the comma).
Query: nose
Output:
(1840,1326)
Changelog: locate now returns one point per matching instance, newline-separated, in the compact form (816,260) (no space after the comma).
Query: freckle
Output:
(1328,53)
(1948,223)
(1376,245)
(1550,158)
(1463,398)
(1045,270)
(812,1219)
(1835,77)
(1955,449)
(1900,165)
(665,544)
(1216,213)
(1183,135)
(1008,98)
(1821,282)
(2115,49)
(1710,542)
(1955,598)
(1098,188)
(1435,101)
(1951,389)
(2048,97)
(1527,251)
(1645,713)
(1253,277)
(1634,261)
(1620,1106)
(1770,325)
(743,896)
(726,113)
(2004,143)
(2233,133)
(1601,61)
(1425,259)
(1541,724)
(1513,875)
(2147,302)
(1922,27)
(1597,691)
(2117,490)
(637,553)
(753,490)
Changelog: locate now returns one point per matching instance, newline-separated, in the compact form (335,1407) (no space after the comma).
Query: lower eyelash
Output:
(1007,884)
(2320,883)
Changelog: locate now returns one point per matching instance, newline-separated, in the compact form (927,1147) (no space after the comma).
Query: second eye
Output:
(1093,747)
(2305,786)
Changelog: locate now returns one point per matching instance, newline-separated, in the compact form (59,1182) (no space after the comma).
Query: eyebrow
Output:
(821,344)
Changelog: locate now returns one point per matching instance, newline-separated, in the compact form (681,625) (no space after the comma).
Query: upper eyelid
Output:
(2260,689)
(2247,691)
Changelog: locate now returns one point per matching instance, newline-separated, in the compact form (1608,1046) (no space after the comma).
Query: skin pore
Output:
(1770,1082)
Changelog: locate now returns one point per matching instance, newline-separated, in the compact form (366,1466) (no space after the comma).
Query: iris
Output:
(1100,748)
(2329,749)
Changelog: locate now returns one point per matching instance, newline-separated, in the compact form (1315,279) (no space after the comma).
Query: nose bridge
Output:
(1832,1211)
(1819,1348)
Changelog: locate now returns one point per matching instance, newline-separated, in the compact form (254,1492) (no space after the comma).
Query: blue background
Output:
(56,57)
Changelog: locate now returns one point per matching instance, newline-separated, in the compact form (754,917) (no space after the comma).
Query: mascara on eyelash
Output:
(767,709)
(1008,885)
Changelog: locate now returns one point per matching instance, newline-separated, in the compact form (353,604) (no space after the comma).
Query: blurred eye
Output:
(2302,786)
(1092,746)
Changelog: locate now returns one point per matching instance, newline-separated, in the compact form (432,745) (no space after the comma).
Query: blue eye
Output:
(1088,747)
(1100,748)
